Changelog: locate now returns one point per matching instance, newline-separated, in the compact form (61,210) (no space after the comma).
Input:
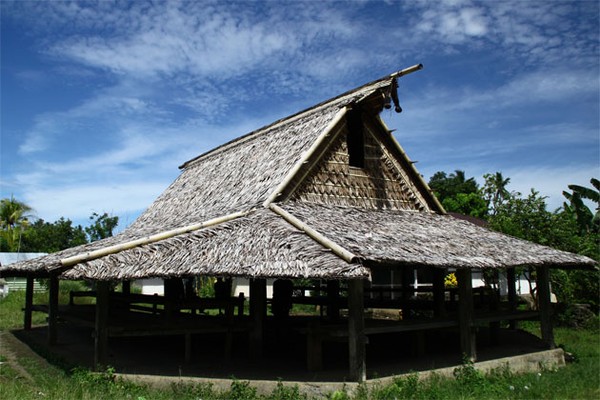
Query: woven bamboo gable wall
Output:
(382,184)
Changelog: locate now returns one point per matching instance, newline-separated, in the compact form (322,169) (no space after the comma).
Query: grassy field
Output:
(24,375)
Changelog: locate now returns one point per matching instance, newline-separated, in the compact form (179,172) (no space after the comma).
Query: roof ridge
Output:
(293,117)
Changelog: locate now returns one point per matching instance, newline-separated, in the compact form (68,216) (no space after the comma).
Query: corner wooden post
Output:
(53,309)
(511,279)
(258,312)
(465,314)
(101,328)
(356,330)
(28,303)
(544,305)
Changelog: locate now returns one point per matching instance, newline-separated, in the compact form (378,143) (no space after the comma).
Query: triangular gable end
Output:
(377,175)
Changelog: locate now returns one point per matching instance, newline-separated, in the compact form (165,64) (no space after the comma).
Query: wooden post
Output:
(188,347)
(258,311)
(408,274)
(126,287)
(333,300)
(356,330)
(28,303)
(101,328)
(465,313)
(314,347)
(53,309)
(439,293)
(511,279)
(544,305)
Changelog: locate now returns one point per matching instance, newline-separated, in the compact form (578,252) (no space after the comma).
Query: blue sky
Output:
(102,101)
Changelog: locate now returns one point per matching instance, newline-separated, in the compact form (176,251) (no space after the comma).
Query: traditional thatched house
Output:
(326,193)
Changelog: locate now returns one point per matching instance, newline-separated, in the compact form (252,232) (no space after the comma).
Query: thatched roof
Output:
(260,244)
(390,237)
(301,162)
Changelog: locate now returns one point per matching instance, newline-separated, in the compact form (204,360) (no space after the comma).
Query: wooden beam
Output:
(356,330)
(258,312)
(28,303)
(465,314)
(53,309)
(101,327)
(545,306)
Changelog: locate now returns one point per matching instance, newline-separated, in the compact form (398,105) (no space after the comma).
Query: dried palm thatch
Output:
(392,237)
(259,245)
(235,177)
(241,174)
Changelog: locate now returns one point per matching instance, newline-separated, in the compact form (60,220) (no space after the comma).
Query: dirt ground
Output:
(284,356)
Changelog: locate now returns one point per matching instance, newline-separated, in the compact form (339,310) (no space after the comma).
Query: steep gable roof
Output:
(219,216)
(241,174)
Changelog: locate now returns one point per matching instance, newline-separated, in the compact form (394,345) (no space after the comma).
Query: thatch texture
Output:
(237,176)
(242,174)
(259,245)
(417,238)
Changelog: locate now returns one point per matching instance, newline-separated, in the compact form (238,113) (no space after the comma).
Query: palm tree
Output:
(495,190)
(14,216)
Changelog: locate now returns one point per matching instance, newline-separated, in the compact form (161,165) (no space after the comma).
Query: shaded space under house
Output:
(326,194)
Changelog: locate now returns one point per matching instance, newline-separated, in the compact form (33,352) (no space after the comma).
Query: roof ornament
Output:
(392,93)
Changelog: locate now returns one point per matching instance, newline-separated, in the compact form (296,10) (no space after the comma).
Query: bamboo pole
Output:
(305,157)
(407,71)
(79,258)
(319,238)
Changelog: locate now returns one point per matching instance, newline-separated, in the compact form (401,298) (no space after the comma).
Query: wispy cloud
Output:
(162,82)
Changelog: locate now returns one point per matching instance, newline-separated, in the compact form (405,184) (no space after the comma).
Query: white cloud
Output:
(80,201)
(550,181)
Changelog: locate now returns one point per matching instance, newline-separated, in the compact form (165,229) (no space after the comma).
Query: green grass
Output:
(578,380)
(11,307)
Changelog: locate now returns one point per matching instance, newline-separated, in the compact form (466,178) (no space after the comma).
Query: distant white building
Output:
(13,283)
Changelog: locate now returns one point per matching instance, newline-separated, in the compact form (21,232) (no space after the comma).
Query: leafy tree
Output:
(459,194)
(588,220)
(466,203)
(528,218)
(446,186)
(14,217)
(49,237)
(101,227)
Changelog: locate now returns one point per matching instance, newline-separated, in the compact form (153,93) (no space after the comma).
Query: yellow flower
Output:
(450,281)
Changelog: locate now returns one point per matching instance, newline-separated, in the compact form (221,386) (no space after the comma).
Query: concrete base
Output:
(532,362)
